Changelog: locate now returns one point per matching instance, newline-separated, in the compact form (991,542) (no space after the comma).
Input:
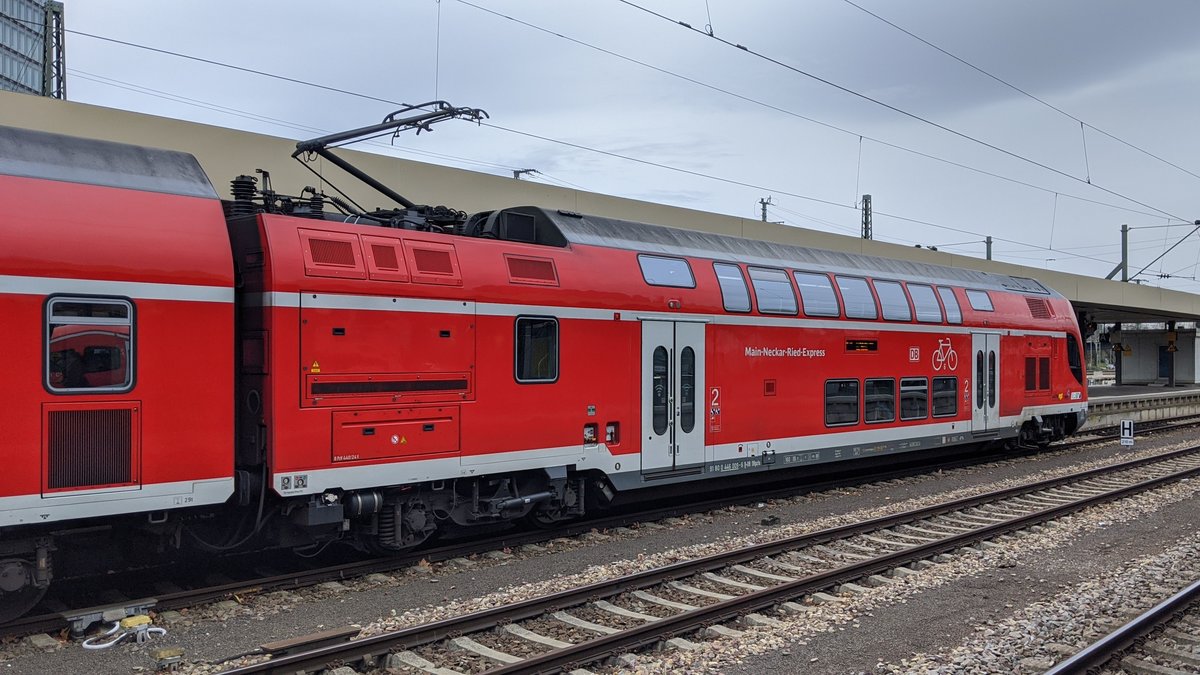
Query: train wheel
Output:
(404,525)
(553,513)
(18,593)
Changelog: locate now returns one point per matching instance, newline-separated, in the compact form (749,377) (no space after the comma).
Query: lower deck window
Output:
(89,345)
(945,396)
(536,349)
(914,398)
(879,400)
(841,402)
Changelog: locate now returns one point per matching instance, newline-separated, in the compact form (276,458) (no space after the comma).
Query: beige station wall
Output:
(225,153)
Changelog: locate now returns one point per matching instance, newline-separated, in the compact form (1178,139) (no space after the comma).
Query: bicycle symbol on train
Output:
(945,356)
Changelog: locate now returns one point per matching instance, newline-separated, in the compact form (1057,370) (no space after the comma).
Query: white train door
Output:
(985,369)
(672,384)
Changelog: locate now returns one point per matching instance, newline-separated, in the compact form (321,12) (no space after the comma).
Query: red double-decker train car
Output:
(265,372)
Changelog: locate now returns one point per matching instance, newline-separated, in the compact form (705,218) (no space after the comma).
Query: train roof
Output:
(37,154)
(642,237)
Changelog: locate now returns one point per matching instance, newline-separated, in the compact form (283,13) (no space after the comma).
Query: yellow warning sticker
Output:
(316,368)
(403,440)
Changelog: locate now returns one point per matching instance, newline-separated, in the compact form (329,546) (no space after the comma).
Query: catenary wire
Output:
(120,84)
(1019,90)
(896,109)
(615,54)
(791,113)
(578,146)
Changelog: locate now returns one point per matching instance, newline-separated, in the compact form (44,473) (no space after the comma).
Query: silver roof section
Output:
(624,234)
(37,154)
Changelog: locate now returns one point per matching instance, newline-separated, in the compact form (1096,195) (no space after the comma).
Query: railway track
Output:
(752,585)
(78,618)
(1160,641)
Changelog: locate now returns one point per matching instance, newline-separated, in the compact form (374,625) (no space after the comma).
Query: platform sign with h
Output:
(1126,432)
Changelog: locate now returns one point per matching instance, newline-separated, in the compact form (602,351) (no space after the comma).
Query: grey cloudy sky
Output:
(537,66)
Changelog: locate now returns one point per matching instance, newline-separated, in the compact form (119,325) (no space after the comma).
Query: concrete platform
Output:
(1108,405)
(1112,390)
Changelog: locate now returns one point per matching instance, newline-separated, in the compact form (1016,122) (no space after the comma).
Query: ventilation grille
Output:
(1039,308)
(89,448)
(432,262)
(331,252)
(385,257)
(531,271)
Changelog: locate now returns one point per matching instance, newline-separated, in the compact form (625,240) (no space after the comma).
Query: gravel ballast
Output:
(433,592)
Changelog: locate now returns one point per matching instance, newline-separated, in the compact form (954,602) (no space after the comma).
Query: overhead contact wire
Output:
(896,109)
(1019,90)
(791,113)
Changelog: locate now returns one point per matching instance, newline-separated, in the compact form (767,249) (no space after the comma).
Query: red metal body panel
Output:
(60,239)
(375,328)
(795,408)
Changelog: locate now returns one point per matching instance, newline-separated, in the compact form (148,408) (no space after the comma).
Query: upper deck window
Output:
(857,298)
(817,293)
(734,293)
(773,291)
(89,345)
(894,301)
(660,271)
(928,310)
(980,301)
(953,313)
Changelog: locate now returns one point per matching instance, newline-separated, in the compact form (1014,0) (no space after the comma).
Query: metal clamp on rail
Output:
(138,627)
(82,619)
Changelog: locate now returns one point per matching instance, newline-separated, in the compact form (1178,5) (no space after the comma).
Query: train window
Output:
(659,271)
(817,293)
(536,349)
(89,345)
(980,301)
(1037,373)
(893,300)
(914,398)
(841,402)
(979,379)
(928,310)
(659,388)
(1073,360)
(687,390)
(991,381)
(879,400)
(734,293)
(773,291)
(953,313)
(857,298)
(945,396)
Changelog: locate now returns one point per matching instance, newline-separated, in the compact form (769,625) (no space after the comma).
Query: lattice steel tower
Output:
(32,50)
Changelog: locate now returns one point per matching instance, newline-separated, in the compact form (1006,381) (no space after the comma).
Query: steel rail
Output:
(1095,655)
(293,580)
(372,647)
(53,622)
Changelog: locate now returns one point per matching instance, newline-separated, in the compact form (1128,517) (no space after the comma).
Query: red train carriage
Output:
(403,372)
(488,376)
(116,286)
